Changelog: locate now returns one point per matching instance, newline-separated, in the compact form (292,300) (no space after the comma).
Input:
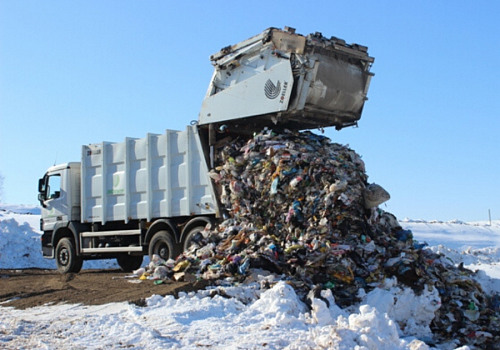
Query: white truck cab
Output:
(59,195)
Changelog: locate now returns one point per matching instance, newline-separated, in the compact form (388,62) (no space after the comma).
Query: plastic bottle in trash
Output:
(243,268)
(274,186)
(295,181)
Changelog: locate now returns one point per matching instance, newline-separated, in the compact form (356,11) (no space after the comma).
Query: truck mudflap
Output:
(294,81)
(46,242)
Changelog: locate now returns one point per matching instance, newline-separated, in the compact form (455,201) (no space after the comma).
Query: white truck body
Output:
(152,177)
(153,195)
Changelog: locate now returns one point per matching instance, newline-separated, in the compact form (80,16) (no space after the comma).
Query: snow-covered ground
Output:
(388,318)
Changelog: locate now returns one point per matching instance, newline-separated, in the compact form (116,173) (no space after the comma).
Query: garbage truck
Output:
(152,195)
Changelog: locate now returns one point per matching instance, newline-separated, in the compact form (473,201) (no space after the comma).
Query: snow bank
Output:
(455,234)
(20,245)
(277,320)
(412,313)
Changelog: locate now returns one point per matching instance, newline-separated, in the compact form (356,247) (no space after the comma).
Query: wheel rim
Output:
(191,235)
(162,250)
(64,257)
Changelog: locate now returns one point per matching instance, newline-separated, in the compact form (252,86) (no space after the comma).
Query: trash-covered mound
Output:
(301,207)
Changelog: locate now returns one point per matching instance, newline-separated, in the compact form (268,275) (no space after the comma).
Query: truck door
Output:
(53,198)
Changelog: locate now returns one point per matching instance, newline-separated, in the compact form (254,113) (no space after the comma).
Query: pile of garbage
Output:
(302,208)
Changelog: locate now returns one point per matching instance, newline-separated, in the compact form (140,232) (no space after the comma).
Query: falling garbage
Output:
(301,207)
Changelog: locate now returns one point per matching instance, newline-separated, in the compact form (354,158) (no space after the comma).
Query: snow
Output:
(456,234)
(389,317)
(20,245)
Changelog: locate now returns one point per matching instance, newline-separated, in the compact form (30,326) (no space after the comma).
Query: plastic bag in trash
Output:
(156,260)
(375,195)
(160,272)
(139,272)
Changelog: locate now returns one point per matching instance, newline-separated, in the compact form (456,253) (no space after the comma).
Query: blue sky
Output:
(79,72)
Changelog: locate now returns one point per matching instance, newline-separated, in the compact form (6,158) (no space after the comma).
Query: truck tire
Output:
(66,259)
(161,244)
(129,263)
(189,237)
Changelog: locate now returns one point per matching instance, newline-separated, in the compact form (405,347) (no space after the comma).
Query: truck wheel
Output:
(129,263)
(161,244)
(66,259)
(189,237)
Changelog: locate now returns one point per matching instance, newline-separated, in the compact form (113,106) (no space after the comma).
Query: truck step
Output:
(111,250)
(111,233)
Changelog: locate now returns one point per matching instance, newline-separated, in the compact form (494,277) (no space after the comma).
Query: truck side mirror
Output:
(41,192)
(41,186)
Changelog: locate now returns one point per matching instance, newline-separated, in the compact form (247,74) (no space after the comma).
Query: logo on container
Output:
(272,91)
